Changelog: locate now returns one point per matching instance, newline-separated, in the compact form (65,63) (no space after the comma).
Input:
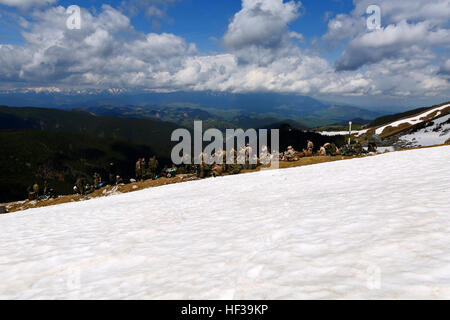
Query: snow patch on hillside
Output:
(436,133)
(341,133)
(375,227)
(412,120)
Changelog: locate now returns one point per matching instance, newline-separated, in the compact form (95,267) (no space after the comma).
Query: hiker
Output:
(310,146)
(248,153)
(358,148)
(30,193)
(45,187)
(153,167)
(187,166)
(217,170)
(172,171)
(255,163)
(230,160)
(264,156)
(142,168)
(330,149)
(118,180)
(36,191)
(307,153)
(96,178)
(204,169)
(289,154)
(224,159)
(112,173)
(138,170)
(81,185)
(241,156)
(322,151)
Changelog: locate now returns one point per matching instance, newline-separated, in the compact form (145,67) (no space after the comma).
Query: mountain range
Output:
(305,111)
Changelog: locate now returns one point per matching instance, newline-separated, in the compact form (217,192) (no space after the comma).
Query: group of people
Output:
(34,191)
(233,162)
(244,159)
(292,155)
(82,185)
(144,171)
(355,148)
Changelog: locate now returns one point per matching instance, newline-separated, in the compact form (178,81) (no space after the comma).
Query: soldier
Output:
(230,168)
(96,180)
(310,146)
(36,191)
(138,170)
(217,170)
(153,167)
(81,185)
(330,148)
(358,148)
(112,173)
(307,153)
(223,153)
(30,193)
(322,151)
(203,166)
(240,160)
(264,156)
(142,170)
(248,153)
(289,154)
(256,162)
(185,167)
(45,187)
(172,172)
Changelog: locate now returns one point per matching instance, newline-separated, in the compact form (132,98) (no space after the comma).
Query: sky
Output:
(323,49)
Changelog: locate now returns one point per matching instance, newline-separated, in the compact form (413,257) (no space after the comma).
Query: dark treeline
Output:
(60,158)
(298,138)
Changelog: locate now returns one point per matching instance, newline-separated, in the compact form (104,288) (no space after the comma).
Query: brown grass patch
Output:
(389,131)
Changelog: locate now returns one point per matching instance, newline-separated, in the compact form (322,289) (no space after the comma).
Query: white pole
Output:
(349,132)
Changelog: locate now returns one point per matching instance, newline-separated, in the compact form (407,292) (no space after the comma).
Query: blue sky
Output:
(199,21)
(318,48)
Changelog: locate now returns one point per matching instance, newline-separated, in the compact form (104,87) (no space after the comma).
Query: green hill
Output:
(185,116)
(155,133)
(46,144)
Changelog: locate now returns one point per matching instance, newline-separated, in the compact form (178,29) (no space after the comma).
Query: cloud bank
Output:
(261,53)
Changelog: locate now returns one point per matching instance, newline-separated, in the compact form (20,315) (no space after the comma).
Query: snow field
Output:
(375,227)
(436,134)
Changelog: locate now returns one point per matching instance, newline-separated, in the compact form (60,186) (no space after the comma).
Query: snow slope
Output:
(437,133)
(374,227)
(342,133)
(413,120)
